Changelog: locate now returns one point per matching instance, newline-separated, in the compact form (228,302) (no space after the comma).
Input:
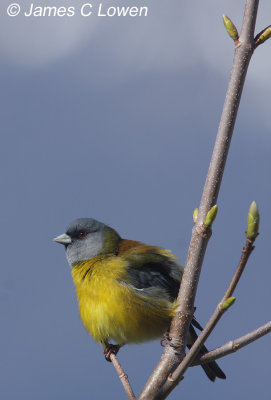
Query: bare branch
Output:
(249,21)
(177,375)
(122,376)
(175,352)
(247,250)
(223,306)
(234,345)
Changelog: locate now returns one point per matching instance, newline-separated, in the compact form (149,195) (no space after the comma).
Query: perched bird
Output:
(126,289)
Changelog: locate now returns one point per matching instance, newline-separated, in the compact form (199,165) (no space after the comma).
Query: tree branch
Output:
(234,345)
(122,376)
(175,352)
(247,250)
(223,306)
(177,375)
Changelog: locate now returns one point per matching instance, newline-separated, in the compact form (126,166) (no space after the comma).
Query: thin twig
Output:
(122,376)
(234,345)
(247,250)
(180,324)
(177,375)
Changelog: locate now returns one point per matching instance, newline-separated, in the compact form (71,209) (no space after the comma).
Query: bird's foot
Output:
(111,349)
(166,338)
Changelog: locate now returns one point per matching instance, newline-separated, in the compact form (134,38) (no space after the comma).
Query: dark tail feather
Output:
(211,369)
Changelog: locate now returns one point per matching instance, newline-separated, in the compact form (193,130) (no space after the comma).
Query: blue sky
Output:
(115,118)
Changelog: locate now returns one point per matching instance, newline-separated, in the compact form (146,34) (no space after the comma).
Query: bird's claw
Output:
(111,349)
(166,338)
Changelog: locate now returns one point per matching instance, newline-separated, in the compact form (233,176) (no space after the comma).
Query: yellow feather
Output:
(110,309)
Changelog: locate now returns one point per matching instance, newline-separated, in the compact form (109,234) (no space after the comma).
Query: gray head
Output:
(86,238)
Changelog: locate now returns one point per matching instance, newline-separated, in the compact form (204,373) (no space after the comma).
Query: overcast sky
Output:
(115,118)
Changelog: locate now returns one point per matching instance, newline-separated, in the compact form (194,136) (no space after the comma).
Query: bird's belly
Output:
(122,315)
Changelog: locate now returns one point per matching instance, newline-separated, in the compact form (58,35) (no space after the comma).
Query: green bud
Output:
(253,220)
(263,36)
(210,217)
(228,303)
(230,27)
(195,215)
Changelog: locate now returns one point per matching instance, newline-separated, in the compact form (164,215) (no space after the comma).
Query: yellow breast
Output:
(110,309)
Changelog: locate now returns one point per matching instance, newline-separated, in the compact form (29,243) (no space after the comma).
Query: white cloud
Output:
(36,41)
(175,35)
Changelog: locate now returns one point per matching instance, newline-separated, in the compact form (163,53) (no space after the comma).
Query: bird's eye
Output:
(82,235)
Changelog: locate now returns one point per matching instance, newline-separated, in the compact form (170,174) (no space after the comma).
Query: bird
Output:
(126,289)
